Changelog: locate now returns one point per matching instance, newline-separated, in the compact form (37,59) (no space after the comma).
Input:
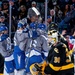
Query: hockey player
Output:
(35,45)
(41,29)
(20,39)
(58,61)
(6,51)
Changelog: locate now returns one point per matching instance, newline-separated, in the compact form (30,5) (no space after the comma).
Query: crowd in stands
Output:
(61,12)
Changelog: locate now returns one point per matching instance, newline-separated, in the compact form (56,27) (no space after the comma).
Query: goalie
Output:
(58,61)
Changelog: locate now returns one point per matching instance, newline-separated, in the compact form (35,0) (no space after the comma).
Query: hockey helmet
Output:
(3,28)
(42,26)
(3,32)
(33,25)
(20,25)
(53,26)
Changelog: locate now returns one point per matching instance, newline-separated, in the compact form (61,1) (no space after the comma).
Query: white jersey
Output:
(20,39)
(5,47)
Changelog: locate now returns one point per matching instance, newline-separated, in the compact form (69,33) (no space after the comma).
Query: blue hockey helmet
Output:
(33,25)
(3,28)
(42,26)
(20,25)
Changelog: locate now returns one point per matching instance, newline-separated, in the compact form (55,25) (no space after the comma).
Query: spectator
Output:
(14,9)
(68,1)
(22,13)
(19,3)
(64,31)
(63,26)
(50,4)
(61,4)
(5,8)
(67,9)
(67,36)
(49,20)
(2,21)
(73,1)
(59,17)
(42,11)
(53,15)
(5,5)
(40,4)
(71,7)
(27,4)
(31,12)
(34,4)
(72,37)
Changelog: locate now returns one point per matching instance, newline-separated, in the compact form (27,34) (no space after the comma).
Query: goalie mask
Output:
(53,36)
